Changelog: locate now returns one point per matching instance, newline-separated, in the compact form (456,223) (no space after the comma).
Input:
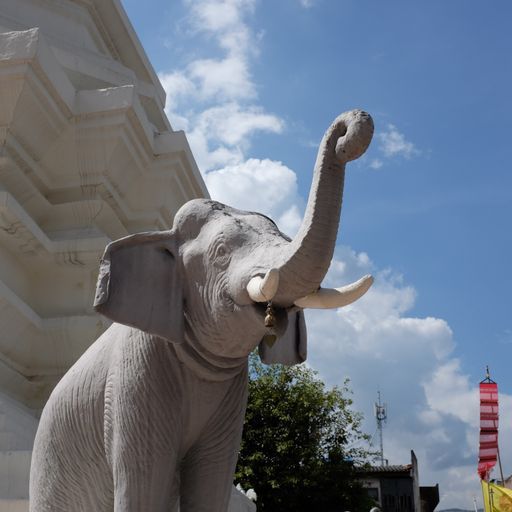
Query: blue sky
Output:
(428,209)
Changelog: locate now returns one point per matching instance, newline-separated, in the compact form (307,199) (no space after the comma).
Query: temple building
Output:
(87,155)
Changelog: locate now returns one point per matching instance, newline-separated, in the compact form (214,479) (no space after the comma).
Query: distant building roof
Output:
(399,468)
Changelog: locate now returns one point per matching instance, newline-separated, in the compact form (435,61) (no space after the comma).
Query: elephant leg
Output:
(145,485)
(207,478)
(208,467)
(143,425)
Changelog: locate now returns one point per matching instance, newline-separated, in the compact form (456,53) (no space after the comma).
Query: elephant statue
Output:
(150,418)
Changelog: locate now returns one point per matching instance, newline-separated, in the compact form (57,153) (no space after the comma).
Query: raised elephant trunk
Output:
(304,266)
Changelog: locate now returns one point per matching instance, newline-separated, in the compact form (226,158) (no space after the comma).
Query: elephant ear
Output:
(140,284)
(291,347)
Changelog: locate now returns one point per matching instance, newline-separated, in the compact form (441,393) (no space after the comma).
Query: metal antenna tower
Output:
(381,417)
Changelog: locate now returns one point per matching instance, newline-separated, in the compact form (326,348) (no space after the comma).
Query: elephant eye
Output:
(221,255)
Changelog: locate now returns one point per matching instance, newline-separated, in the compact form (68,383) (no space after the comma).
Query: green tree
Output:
(301,443)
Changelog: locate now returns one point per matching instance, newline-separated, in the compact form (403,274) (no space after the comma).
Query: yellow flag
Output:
(496,498)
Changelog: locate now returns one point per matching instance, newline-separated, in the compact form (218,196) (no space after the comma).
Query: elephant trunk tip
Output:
(356,128)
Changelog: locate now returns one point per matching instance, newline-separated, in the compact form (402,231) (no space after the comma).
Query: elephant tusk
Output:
(329,298)
(263,289)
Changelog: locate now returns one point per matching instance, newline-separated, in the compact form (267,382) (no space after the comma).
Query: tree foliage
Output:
(301,442)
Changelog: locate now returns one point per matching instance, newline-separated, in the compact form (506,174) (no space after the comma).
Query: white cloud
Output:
(393,143)
(376,163)
(220,135)
(307,4)
(449,392)
(223,79)
(218,16)
(177,86)
(290,220)
(276,183)
(232,124)
(215,99)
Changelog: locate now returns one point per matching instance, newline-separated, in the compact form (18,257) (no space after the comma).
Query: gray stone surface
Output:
(152,413)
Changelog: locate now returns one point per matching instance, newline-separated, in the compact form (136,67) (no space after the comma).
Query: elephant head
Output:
(205,285)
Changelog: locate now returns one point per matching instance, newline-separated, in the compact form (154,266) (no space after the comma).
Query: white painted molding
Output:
(88,155)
